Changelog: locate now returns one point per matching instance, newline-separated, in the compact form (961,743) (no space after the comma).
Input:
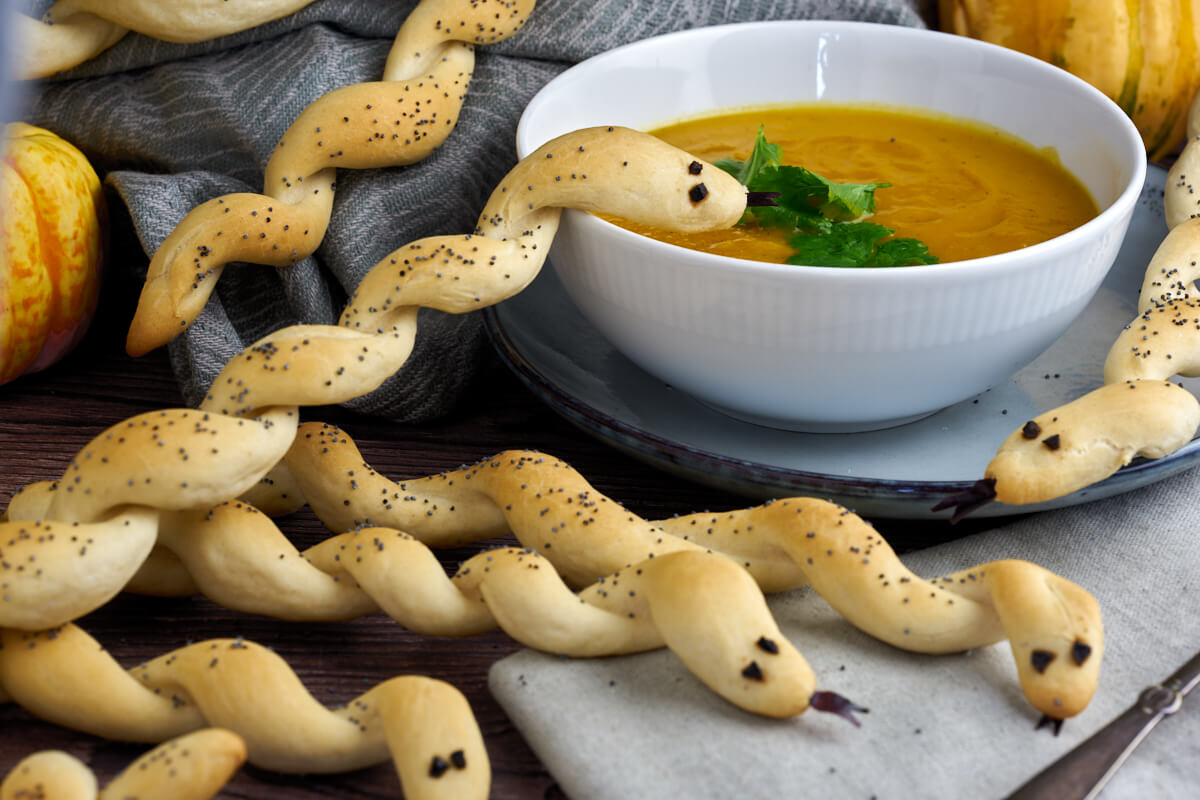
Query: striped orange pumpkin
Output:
(52,231)
(1144,54)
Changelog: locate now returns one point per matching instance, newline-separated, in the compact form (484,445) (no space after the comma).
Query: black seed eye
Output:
(1031,430)
(698,192)
(695,167)
(1080,652)
(438,767)
(1041,659)
(767,645)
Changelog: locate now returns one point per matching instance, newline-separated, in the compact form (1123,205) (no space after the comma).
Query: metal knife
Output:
(1084,771)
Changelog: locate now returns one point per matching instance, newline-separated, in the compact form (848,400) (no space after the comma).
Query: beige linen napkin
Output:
(939,726)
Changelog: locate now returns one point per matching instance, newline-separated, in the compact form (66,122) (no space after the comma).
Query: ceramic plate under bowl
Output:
(896,473)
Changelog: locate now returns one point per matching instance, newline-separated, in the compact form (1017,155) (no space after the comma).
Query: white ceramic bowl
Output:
(820,348)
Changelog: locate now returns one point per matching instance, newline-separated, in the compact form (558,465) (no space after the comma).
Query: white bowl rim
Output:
(1120,206)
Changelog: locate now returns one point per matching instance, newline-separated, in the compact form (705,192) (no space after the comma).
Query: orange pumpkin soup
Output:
(964,189)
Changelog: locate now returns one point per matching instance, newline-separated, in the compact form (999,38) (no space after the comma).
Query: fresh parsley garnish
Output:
(827,217)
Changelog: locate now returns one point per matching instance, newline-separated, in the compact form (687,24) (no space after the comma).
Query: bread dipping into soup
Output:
(961,189)
(830,348)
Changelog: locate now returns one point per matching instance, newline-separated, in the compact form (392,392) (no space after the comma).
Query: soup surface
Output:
(965,190)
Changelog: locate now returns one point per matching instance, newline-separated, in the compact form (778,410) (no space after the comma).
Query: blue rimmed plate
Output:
(897,473)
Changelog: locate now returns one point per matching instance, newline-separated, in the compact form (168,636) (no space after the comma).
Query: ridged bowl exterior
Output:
(818,348)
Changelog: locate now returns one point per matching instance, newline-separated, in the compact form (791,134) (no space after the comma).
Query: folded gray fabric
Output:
(954,726)
(173,125)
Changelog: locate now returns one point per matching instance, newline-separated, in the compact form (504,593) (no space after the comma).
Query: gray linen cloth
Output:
(174,125)
(953,726)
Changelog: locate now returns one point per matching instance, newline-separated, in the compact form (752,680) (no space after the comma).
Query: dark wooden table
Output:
(46,418)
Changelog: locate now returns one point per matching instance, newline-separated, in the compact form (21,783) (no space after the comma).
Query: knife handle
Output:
(1081,773)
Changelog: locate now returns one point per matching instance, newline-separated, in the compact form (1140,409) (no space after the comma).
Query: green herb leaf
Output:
(826,215)
(802,195)
(850,244)
(850,201)
(857,244)
(763,154)
(902,253)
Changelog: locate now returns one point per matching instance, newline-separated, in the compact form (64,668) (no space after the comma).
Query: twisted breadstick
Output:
(648,581)
(66,545)
(398,120)
(1172,271)
(1136,412)
(74,31)
(551,508)
(191,767)
(1088,439)
(1181,201)
(609,169)
(1164,340)
(616,170)
(237,556)
(548,505)
(64,676)
(166,463)
(193,460)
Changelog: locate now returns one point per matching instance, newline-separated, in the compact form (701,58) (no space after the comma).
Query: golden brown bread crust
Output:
(47,672)
(53,48)
(1172,271)
(179,21)
(50,774)
(1162,342)
(692,584)
(398,120)
(1136,412)
(620,171)
(171,459)
(74,31)
(1090,438)
(194,766)
(243,227)
(186,467)
(578,536)
(552,509)
(65,676)
(1053,627)
(81,566)
(1181,200)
